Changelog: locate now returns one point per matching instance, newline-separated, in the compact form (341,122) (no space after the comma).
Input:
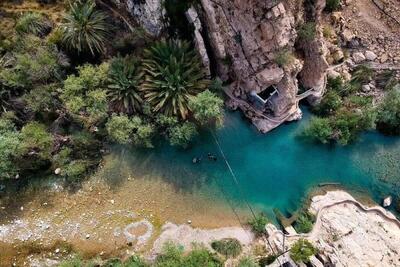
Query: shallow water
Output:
(276,170)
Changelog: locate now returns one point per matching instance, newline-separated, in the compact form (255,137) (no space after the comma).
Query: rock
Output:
(365,88)
(358,57)
(338,56)
(387,201)
(87,236)
(369,55)
(347,35)
(57,171)
(112,201)
(333,74)
(57,251)
(384,58)
(189,222)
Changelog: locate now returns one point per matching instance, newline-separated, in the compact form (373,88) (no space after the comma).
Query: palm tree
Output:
(85,28)
(125,77)
(173,75)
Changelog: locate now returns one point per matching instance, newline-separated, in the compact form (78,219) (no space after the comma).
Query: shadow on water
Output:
(276,170)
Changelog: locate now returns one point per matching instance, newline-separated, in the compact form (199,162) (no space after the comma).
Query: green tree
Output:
(182,134)
(9,144)
(207,108)
(229,247)
(119,129)
(329,104)
(388,119)
(36,140)
(304,222)
(125,78)
(302,251)
(258,223)
(173,75)
(85,28)
(319,129)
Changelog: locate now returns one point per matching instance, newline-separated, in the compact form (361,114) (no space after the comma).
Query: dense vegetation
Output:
(61,106)
(345,111)
(302,251)
(171,256)
(258,223)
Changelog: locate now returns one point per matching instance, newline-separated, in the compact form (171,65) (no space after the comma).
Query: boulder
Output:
(387,201)
(369,55)
(358,57)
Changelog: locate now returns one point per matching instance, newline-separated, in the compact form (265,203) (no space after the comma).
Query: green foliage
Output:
(332,5)
(207,108)
(173,256)
(247,261)
(85,28)
(33,61)
(124,130)
(9,144)
(37,140)
(362,74)
(182,134)
(388,119)
(85,145)
(319,129)
(304,222)
(264,261)
(330,103)
(135,261)
(229,247)
(302,250)
(124,80)
(84,95)
(41,98)
(284,57)
(307,32)
(173,74)
(33,23)
(258,223)
(75,170)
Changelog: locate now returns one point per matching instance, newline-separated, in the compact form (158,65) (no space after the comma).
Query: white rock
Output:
(369,55)
(57,171)
(366,88)
(189,221)
(358,57)
(87,236)
(57,251)
(387,201)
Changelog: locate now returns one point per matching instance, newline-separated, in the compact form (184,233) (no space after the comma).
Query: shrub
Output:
(85,28)
(207,108)
(330,103)
(41,98)
(75,170)
(307,32)
(124,80)
(9,144)
(388,119)
(304,222)
(247,261)
(182,134)
(264,261)
(302,250)
(332,5)
(36,139)
(319,129)
(362,74)
(33,23)
(284,58)
(258,223)
(229,247)
(173,74)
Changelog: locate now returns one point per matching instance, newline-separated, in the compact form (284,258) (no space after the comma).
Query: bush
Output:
(264,261)
(307,32)
(173,75)
(330,103)
(302,251)
(33,23)
(41,98)
(247,261)
(85,28)
(304,222)
(36,140)
(207,108)
(182,134)
(229,247)
(319,129)
(125,77)
(9,144)
(258,223)
(332,5)
(388,119)
(284,58)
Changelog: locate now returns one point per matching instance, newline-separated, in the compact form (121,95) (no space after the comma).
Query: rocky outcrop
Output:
(149,14)
(347,233)
(246,37)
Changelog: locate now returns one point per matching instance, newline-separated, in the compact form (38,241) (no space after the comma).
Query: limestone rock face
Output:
(245,38)
(148,13)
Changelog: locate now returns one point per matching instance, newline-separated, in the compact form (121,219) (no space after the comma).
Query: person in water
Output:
(212,157)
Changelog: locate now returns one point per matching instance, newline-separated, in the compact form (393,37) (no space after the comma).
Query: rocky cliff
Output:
(253,47)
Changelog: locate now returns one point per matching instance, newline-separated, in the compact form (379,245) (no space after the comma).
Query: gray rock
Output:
(358,57)
(369,55)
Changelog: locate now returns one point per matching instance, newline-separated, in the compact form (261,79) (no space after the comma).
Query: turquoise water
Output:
(276,170)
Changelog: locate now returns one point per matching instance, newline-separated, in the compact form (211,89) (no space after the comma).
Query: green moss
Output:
(229,247)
